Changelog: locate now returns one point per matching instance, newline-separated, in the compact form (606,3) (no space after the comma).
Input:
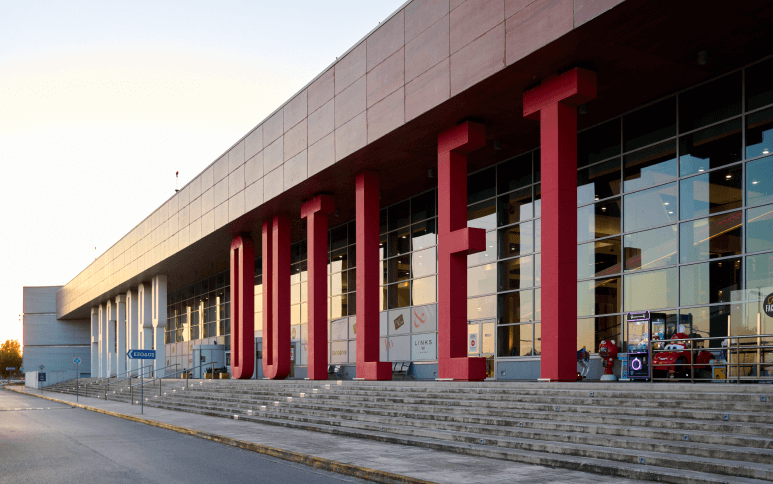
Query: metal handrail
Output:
(733,344)
(184,370)
(107,387)
(116,376)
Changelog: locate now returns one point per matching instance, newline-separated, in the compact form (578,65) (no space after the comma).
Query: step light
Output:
(249,412)
(236,417)
(276,404)
(327,387)
(303,395)
(262,408)
(289,399)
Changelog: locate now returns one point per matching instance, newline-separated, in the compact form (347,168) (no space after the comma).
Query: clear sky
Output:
(101,102)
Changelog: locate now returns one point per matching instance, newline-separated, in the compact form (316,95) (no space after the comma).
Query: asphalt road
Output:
(48,442)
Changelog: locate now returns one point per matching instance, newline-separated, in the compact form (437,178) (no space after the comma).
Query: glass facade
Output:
(674,212)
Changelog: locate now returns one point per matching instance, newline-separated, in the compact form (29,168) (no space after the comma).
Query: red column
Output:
(315,211)
(242,307)
(276,298)
(368,365)
(455,241)
(554,103)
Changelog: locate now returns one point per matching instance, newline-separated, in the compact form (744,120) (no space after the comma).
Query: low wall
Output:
(52,378)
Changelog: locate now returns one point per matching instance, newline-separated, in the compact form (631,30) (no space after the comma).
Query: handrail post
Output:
(737,360)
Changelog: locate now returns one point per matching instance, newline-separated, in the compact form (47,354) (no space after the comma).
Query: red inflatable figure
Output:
(608,352)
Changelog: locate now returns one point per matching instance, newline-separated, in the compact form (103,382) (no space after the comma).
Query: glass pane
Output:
(424,234)
(338,237)
(481,185)
(515,307)
(515,340)
(537,338)
(537,304)
(515,206)
(537,269)
(399,295)
(706,322)
(651,290)
(598,181)
(537,235)
(482,307)
(383,220)
(424,262)
(759,228)
(759,271)
(382,246)
(599,296)
(710,102)
(759,90)
(399,215)
(759,284)
(712,237)
(516,273)
(651,166)
(759,133)
(651,249)
(516,240)
(423,206)
(481,280)
(599,220)
(650,208)
(483,215)
(537,164)
(424,291)
(488,255)
(710,193)
(710,148)
(650,125)
(759,181)
(399,268)
(598,143)
(537,201)
(399,241)
(600,258)
(592,331)
(710,282)
(339,260)
(514,174)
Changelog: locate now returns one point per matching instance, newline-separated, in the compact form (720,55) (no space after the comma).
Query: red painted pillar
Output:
(315,211)
(368,365)
(554,103)
(276,298)
(455,241)
(242,307)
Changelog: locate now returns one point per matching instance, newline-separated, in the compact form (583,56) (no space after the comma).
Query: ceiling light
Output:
(755,182)
(670,213)
(665,203)
(765,151)
(727,177)
(700,170)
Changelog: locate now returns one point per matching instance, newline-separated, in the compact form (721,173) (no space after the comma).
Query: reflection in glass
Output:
(537,304)
(424,262)
(759,133)
(651,166)
(759,228)
(516,240)
(399,268)
(651,290)
(710,193)
(488,255)
(537,269)
(592,331)
(708,322)
(423,206)
(537,235)
(651,249)
(759,271)
(483,215)
(709,238)
(481,280)
(710,102)
(399,241)
(650,208)
(710,282)
(598,143)
(650,125)
(598,181)
(759,90)
(516,307)
(481,185)
(600,258)
(516,273)
(399,295)
(423,234)
(598,220)
(759,181)
(710,148)
(399,215)
(482,307)
(514,174)
(424,291)
(515,340)
(599,296)
(515,206)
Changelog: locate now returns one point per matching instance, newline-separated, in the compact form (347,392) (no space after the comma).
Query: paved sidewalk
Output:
(355,457)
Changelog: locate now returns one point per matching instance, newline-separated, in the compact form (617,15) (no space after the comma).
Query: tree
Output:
(10,355)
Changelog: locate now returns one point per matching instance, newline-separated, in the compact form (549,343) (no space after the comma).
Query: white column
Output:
(95,341)
(145,330)
(158,310)
(120,309)
(102,341)
(110,340)
(132,328)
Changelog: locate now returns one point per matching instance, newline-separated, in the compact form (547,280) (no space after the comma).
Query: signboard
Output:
(399,322)
(424,319)
(41,376)
(77,361)
(768,306)
(141,354)
(423,346)
(10,368)
(340,330)
(473,343)
(399,348)
(42,367)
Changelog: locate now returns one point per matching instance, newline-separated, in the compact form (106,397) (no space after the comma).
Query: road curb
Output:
(350,470)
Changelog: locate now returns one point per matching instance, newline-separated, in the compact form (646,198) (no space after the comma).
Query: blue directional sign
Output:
(41,377)
(142,354)
(10,368)
(42,367)
(77,361)
(21,368)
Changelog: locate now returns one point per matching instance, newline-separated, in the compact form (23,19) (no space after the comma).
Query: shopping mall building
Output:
(479,187)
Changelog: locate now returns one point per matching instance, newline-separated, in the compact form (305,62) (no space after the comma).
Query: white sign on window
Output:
(384,349)
(399,348)
(424,318)
(399,321)
(352,351)
(424,346)
(473,343)
(382,324)
(340,330)
(339,352)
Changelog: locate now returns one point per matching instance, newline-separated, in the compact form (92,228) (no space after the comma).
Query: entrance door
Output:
(481,342)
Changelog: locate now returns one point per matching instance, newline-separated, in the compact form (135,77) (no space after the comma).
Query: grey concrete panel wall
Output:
(40,299)
(45,329)
(57,358)
(425,53)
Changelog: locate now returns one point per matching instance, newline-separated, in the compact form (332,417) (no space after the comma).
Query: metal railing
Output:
(750,360)
(98,382)
(185,370)
(107,387)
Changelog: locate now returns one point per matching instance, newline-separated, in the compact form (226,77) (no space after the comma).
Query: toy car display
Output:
(676,357)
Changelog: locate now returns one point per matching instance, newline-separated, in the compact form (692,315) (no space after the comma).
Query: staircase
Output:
(667,432)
